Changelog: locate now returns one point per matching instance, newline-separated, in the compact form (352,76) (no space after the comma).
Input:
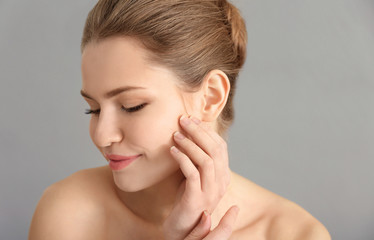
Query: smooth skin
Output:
(165,194)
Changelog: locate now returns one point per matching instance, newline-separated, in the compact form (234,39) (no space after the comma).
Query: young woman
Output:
(159,77)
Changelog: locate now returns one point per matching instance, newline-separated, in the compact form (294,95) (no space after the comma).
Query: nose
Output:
(107,130)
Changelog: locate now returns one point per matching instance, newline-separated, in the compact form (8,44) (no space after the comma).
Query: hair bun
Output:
(237,29)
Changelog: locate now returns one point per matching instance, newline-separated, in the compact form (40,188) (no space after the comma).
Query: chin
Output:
(128,185)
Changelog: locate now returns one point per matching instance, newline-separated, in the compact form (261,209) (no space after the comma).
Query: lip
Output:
(118,162)
(114,157)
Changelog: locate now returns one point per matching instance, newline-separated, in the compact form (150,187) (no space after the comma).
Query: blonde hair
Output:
(190,37)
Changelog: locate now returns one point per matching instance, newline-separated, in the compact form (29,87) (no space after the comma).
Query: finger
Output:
(213,134)
(224,229)
(206,138)
(217,151)
(200,158)
(198,135)
(202,229)
(209,130)
(189,170)
(192,150)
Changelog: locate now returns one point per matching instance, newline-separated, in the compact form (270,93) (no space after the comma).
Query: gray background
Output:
(304,123)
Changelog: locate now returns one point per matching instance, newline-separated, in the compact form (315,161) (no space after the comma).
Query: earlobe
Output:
(216,88)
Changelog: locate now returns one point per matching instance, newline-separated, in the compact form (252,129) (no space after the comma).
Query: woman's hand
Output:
(203,160)
(221,232)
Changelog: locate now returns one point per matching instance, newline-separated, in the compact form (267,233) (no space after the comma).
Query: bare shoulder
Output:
(70,209)
(290,221)
(266,215)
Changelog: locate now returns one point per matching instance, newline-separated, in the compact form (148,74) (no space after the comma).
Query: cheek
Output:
(155,131)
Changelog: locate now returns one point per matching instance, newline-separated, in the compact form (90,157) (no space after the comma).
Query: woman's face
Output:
(119,62)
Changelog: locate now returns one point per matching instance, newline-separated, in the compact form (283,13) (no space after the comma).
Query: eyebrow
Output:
(113,92)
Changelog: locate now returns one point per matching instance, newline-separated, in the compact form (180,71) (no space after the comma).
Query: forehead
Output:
(118,61)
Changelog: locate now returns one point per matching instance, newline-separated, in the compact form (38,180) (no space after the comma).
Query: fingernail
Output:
(196,120)
(174,149)
(179,135)
(185,120)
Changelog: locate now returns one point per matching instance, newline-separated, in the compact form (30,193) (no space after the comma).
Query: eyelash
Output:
(128,110)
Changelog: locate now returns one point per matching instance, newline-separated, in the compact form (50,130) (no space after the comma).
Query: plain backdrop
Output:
(304,125)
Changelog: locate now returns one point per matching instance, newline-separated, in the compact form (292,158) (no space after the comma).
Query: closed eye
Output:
(128,110)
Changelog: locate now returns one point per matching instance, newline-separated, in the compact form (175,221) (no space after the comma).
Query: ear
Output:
(215,90)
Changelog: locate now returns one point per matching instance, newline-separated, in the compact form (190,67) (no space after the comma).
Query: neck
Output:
(154,204)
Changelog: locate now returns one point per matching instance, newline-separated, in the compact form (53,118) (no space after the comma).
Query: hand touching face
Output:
(203,159)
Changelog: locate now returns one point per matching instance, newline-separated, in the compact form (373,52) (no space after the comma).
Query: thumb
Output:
(224,229)
(202,228)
